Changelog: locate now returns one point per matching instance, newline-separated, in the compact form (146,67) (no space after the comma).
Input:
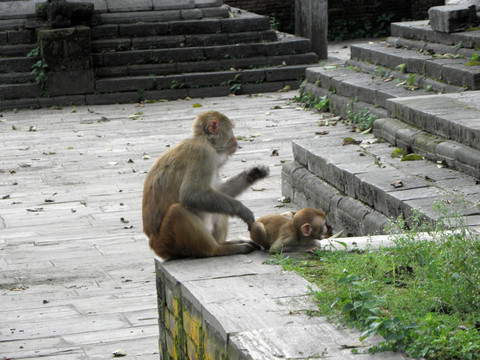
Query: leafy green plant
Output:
(274,23)
(474,60)
(310,101)
(39,69)
(235,84)
(177,85)
(364,119)
(401,67)
(140,95)
(364,27)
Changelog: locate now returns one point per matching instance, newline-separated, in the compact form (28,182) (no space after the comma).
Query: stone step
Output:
(16,77)
(421,30)
(180,41)
(16,36)
(245,23)
(373,88)
(437,127)
(354,183)
(290,50)
(450,71)
(435,49)
(228,80)
(434,148)
(453,117)
(16,50)
(18,91)
(165,15)
(16,64)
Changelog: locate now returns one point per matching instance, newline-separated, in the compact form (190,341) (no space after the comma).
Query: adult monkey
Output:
(185,207)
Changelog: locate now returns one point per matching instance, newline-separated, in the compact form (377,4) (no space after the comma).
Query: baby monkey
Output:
(291,231)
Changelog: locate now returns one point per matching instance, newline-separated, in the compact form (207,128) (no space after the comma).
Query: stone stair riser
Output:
(305,189)
(463,129)
(434,148)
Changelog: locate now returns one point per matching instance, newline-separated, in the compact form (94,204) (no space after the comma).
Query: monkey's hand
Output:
(256,173)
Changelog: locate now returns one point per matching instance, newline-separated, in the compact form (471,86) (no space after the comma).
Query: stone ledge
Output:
(240,308)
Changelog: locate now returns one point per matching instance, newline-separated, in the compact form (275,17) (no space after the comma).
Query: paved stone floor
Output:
(76,274)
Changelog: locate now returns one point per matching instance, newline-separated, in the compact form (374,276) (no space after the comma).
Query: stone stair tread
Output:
(421,30)
(178,50)
(199,79)
(425,83)
(16,64)
(457,116)
(126,67)
(160,15)
(16,50)
(430,48)
(452,71)
(16,77)
(366,173)
(362,86)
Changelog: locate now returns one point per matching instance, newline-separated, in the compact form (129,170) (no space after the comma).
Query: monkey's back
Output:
(273,226)
(187,162)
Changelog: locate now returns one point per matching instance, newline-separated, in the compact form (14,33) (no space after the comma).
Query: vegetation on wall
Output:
(361,28)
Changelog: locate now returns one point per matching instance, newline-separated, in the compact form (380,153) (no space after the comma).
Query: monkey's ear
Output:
(306,229)
(214,127)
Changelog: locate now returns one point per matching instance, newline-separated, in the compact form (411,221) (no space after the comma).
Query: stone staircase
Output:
(421,84)
(207,50)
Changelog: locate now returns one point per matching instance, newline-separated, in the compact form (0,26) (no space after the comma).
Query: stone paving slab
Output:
(75,260)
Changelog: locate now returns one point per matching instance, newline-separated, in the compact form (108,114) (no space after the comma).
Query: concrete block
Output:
(452,18)
(60,83)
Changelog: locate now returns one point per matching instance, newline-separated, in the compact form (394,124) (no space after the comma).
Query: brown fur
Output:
(291,232)
(185,207)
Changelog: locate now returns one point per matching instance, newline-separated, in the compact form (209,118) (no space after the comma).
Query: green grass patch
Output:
(422,295)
